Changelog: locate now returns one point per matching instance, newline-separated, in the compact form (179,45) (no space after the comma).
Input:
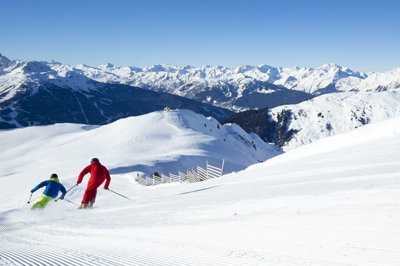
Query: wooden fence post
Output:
(207,169)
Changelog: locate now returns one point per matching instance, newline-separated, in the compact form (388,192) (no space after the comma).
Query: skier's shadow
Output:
(198,190)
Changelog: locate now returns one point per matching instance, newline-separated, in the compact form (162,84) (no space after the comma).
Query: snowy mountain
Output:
(164,141)
(291,126)
(4,63)
(333,202)
(324,101)
(373,82)
(331,114)
(240,88)
(235,89)
(34,93)
(245,87)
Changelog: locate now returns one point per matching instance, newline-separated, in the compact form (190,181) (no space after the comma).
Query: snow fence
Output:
(191,175)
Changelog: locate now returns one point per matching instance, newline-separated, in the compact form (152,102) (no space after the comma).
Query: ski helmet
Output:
(54,176)
(94,160)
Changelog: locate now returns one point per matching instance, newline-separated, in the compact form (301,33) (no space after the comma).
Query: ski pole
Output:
(71,188)
(67,200)
(67,191)
(119,194)
(29,200)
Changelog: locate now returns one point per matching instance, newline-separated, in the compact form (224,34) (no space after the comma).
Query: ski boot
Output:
(83,206)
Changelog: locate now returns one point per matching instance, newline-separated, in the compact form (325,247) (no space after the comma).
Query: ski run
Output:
(334,202)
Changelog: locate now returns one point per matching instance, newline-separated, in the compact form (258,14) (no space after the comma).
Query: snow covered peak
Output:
(267,68)
(389,80)
(221,86)
(107,67)
(162,68)
(34,67)
(51,62)
(329,66)
(317,80)
(4,62)
(244,68)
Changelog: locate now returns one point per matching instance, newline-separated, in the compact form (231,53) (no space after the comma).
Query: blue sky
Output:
(363,35)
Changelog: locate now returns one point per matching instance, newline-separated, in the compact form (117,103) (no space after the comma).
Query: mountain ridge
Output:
(235,88)
(35,93)
(338,98)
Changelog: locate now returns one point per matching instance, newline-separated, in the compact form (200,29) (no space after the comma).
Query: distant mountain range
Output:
(33,93)
(303,104)
(240,88)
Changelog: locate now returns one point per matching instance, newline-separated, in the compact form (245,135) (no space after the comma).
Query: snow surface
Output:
(333,202)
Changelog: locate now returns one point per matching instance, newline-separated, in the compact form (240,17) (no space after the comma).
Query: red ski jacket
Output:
(98,173)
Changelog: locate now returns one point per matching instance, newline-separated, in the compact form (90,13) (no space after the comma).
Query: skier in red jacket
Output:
(98,173)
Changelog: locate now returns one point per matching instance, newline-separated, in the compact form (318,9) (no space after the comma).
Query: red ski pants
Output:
(89,196)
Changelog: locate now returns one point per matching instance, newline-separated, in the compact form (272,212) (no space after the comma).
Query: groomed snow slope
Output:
(333,202)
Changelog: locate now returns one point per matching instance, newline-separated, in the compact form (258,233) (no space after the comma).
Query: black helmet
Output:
(94,160)
(54,176)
